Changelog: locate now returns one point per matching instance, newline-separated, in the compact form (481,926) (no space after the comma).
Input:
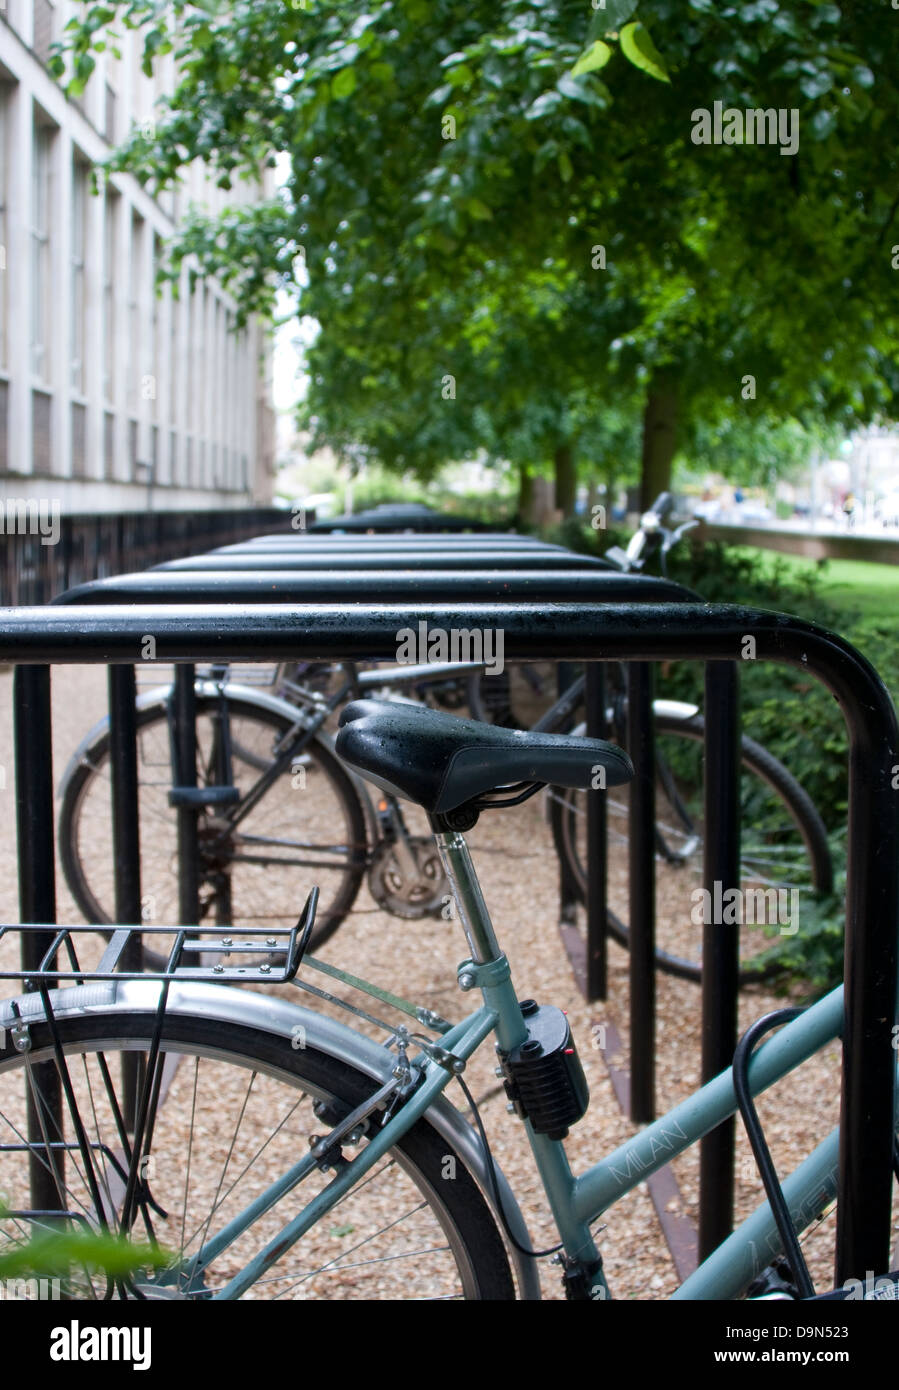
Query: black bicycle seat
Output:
(442,762)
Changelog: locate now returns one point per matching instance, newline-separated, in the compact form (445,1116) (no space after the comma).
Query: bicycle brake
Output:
(327,1148)
(582,1280)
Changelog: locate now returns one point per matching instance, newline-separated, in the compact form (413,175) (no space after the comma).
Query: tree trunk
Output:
(566,480)
(609,498)
(659,438)
(525,495)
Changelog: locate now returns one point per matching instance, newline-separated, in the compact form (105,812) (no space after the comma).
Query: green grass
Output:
(856,585)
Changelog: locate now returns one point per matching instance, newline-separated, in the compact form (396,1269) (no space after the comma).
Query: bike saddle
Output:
(443,762)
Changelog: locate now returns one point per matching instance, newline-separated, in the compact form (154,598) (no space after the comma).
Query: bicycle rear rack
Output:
(283,950)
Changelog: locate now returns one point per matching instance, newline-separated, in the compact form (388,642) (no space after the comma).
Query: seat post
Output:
(463,880)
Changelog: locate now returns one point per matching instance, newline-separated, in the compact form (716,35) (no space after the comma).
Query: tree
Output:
(445,159)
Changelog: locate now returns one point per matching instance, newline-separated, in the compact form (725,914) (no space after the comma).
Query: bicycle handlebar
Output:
(662,505)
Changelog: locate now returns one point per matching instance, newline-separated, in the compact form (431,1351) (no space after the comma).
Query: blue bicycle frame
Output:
(576,1201)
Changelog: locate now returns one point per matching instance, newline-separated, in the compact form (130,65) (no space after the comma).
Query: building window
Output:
(110,243)
(41,420)
(40,253)
(78,244)
(79,440)
(135,266)
(108,444)
(109,115)
(175,309)
(44,26)
(196,350)
(154,346)
(4,426)
(4,175)
(133,457)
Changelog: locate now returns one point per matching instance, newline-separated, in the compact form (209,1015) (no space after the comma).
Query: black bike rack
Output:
(340,572)
(591,621)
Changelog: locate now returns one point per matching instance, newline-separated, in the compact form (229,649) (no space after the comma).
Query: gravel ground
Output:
(513,852)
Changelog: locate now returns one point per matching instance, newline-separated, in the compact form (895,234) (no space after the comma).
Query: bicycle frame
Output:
(577,1201)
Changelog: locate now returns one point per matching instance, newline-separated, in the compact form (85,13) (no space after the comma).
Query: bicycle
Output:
(277,800)
(784,843)
(367,1165)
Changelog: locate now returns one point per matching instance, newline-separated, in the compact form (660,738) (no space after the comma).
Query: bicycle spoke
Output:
(190,1150)
(243,1109)
(332,1264)
(262,1148)
(334,1268)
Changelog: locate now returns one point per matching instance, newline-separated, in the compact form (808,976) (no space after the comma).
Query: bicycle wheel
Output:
(783,846)
(238,1109)
(309,827)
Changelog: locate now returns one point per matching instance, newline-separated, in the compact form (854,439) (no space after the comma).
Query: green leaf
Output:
(566,168)
(815,84)
(544,104)
(459,75)
(761,10)
(343,85)
(577,90)
(639,49)
(548,150)
(826,14)
(822,124)
(609,15)
(440,95)
(593,58)
(478,210)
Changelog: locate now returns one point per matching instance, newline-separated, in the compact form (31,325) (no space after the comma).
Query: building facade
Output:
(112,397)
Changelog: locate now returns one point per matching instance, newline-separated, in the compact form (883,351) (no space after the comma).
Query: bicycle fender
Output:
(674,709)
(270,1014)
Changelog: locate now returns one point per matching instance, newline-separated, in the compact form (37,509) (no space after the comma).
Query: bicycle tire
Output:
(456,1235)
(337,897)
(762,764)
